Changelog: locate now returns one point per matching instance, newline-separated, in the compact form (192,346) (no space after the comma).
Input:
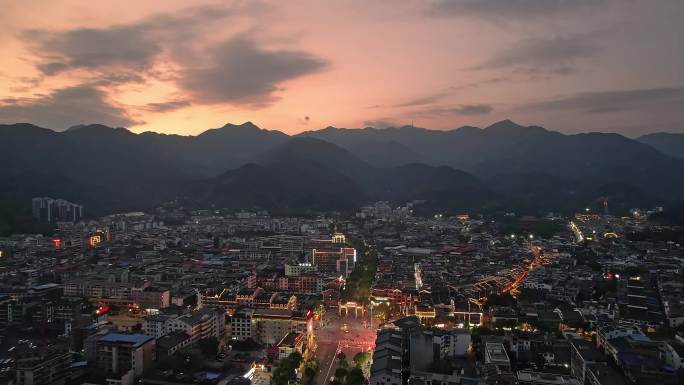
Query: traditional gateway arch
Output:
(350,306)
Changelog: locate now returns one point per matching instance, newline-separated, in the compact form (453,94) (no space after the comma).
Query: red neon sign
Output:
(102,310)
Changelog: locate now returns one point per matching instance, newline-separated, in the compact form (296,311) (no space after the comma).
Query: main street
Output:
(346,334)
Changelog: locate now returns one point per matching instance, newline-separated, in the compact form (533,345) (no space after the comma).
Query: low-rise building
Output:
(241,327)
(271,325)
(201,324)
(122,358)
(526,377)
(158,325)
(171,343)
(46,365)
(582,354)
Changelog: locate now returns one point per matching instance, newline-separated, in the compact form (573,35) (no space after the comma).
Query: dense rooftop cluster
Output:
(187,296)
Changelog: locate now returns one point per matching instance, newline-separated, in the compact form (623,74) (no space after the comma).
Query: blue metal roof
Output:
(135,339)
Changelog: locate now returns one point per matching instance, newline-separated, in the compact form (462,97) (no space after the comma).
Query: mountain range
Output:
(505,166)
(667,143)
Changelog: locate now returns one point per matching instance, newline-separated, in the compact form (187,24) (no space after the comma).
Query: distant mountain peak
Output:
(75,128)
(671,144)
(329,128)
(467,129)
(503,124)
(246,125)
(95,127)
(509,127)
(243,128)
(249,124)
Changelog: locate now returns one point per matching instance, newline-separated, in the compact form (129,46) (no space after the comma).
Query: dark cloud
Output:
(51,68)
(239,71)
(64,108)
(118,78)
(473,109)
(235,71)
(423,100)
(553,55)
(380,123)
(614,101)
(462,110)
(439,96)
(510,9)
(131,46)
(167,106)
(478,83)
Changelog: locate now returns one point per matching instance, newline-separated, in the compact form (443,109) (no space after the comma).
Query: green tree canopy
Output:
(208,346)
(362,358)
(355,377)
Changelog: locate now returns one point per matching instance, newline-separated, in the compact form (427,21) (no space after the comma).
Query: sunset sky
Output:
(183,67)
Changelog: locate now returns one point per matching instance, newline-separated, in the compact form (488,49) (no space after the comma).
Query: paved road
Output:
(332,338)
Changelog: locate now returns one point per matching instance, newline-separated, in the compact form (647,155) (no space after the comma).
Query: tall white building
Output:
(158,325)
(454,343)
(56,210)
(201,324)
(267,326)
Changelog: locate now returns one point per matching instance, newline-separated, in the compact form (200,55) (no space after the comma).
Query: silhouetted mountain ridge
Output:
(504,165)
(667,143)
(308,173)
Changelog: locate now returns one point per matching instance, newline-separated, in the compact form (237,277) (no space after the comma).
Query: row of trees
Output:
(310,370)
(344,375)
(385,310)
(285,371)
(357,287)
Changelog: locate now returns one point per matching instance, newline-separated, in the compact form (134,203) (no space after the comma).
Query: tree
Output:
(310,370)
(505,324)
(192,359)
(361,359)
(355,377)
(246,345)
(208,346)
(284,371)
(170,362)
(295,359)
(477,332)
(357,287)
(505,299)
(319,309)
(381,311)
(340,373)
